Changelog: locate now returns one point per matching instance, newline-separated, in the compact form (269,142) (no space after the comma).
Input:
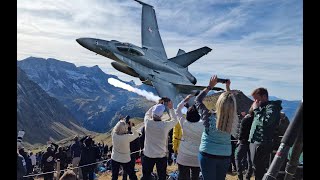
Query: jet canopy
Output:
(128,48)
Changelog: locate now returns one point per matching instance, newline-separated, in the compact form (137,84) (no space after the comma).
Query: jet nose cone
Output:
(81,41)
(88,43)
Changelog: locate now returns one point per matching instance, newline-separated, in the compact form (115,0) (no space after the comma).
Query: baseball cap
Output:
(158,110)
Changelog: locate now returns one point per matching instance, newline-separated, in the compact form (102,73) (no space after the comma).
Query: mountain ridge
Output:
(40,113)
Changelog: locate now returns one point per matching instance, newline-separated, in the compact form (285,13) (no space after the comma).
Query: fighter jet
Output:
(170,77)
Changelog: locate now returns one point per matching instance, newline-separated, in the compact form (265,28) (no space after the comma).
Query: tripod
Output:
(292,135)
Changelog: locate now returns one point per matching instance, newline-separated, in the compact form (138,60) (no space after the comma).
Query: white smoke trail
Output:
(149,95)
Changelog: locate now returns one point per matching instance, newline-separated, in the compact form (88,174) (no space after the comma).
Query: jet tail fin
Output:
(186,59)
(191,89)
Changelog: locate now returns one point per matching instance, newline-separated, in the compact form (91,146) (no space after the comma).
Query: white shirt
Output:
(121,146)
(191,139)
(33,159)
(156,134)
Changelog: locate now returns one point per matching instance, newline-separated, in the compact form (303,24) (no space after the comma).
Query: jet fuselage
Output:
(143,61)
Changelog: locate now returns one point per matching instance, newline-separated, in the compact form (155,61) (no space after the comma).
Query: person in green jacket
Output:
(265,121)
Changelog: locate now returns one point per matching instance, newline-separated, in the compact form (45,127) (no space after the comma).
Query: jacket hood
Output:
(276,104)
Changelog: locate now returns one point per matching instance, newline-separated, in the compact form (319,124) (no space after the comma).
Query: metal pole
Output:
(293,162)
(286,142)
(58,169)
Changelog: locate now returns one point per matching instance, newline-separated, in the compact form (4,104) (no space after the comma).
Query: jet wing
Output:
(150,35)
(191,89)
(166,89)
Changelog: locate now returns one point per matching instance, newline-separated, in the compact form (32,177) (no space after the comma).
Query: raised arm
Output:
(202,109)
(148,115)
(181,105)
(228,85)
(174,120)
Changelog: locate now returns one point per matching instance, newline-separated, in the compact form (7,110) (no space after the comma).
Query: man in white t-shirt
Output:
(156,139)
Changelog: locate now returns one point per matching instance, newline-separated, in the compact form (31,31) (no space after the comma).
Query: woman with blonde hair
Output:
(121,149)
(215,147)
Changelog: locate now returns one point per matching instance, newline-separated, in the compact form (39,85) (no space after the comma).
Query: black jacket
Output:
(63,159)
(245,127)
(135,146)
(21,167)
(88,156)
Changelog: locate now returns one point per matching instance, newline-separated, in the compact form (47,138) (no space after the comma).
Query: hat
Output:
(158,110)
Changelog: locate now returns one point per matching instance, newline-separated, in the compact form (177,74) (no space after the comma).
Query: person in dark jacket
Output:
(47,161)
(265,121)
(27,161)
(280,130)
(242,151)
(88,156)
(75,154)
(62,156)
(21,167)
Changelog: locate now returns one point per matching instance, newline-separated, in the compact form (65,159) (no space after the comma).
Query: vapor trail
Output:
(149,95)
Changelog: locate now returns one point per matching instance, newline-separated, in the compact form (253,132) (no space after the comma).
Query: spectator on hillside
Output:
(121,149)
(176,138)
(21,167)
(242,151)
(265,121)
(47,161)
(134,154)
(215,147)
(156,139)
(33,160)
(62,156)
(27,160)
(191,130)
(280,130)
(75,154)
(88,155)
(105,149)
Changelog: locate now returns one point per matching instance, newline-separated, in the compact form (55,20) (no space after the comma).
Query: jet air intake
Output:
(124,69)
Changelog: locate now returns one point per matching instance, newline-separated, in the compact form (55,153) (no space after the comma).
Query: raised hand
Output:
(213,81)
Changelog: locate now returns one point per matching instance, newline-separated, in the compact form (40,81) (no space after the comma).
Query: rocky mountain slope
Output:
(42,117)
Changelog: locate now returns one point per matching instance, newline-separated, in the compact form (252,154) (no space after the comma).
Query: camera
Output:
(222,80)
(127,119)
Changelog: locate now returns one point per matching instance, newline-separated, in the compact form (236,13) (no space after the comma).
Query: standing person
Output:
(156,139)
(21,167)
(121,149)
(192,128)
(75,154)
(176,138)
(242,151)
(88,155)
(47,162)
(62,156)
(134,150)
(27,160)
(265,121)
(215,146)
(33,160)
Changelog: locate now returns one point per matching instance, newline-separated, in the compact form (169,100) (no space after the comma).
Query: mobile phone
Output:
(222,80)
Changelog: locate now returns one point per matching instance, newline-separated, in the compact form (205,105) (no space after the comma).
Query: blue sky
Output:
(255,43)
